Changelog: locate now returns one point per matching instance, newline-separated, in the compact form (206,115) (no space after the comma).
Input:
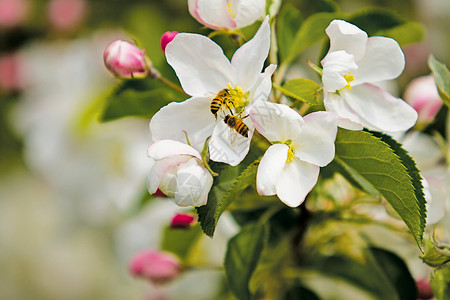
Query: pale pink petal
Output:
(383,60)
(166,148)
(316,142)
(296,181)
(263,86)
(348,118)
(193,184)
(248,60)
(192,116)
(270,168)
(248,11)
(160,168)
(379,110)
(276,122)
(335,66)
(348,37)
(215,14)
(436,209)
(228,146)
(200,64)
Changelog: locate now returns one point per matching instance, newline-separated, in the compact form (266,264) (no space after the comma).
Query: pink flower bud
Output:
(166,38)
(126,60)
(157,266)
(66,14)
(424,290)
(182,221)
(11,73)
(423,96)
(159,193)
(13,12)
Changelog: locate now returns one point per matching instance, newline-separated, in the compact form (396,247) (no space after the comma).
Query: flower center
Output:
(230,10)
(291,151)
(349,78)
(238,97)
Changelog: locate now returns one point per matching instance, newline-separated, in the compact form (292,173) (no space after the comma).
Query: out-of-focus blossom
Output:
(125,60)
(65,15)
(230,14)
(182,221)
(424,290)
(179,172)
(204,71)
(423,96)
(157,266)
(166,38)
(353,63)
(290,167)
(11,72)
(13,12)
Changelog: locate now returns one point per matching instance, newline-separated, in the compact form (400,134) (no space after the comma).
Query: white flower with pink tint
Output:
(227,14)
(290,167)
(350,69)
(423,96)
(178,171)
(13,12)
(204,71)
(156,266)
(125,60)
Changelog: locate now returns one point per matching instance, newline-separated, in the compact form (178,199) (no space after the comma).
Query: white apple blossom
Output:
(227,14)
(203,71)
(290,167)
(178,171)
(353,63)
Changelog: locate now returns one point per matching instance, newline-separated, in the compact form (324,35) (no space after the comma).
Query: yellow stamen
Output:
(230,10)
(238,97)
(290,155)
(349,78)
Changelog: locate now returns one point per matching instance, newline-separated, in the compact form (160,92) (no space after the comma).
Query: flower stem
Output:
(171,85)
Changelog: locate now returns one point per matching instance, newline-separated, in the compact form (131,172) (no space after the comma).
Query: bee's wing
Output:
(233,137)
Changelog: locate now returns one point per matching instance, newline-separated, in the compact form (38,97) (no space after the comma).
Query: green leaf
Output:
(378,21)
(300,292)
(441,77)
(180,241)
(302,89)
(440,283)
(386,169)
(311,32)
(382,273)
(288,23)
(227,187)
(141,98)
(242,256)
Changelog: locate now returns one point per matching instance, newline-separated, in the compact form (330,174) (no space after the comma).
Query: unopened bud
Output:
(182,221)
(157,266)
(166,38)
(423,96)
(159,193)
(126,60)
(424,290)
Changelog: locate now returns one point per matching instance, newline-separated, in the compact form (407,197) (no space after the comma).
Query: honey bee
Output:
(222,98)
(236,123)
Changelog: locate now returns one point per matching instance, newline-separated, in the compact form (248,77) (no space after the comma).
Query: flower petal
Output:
(160,168)
(248,60)
(165,148)
(383,60)
(248,11)
(192,116)
(269,169)
(296,181)
(228,146)
(199,63)
(193,184)
(276,122)
(215,14)
(316,142)
(335,66)
(263,86)
(348,37)
(337,104)
(379,110)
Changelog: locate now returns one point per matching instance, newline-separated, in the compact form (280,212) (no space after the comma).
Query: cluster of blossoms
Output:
(230,99)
